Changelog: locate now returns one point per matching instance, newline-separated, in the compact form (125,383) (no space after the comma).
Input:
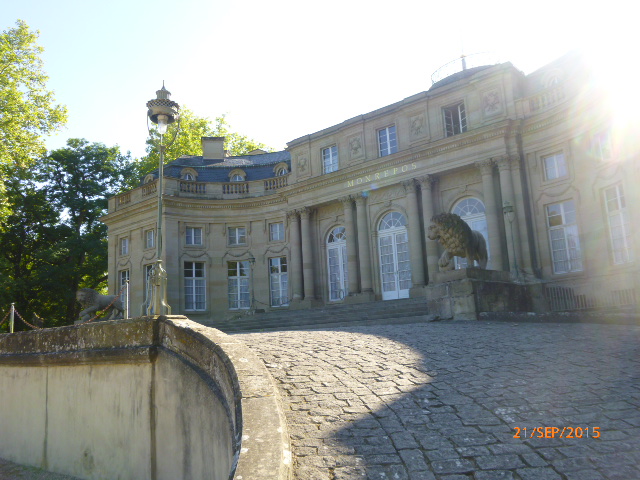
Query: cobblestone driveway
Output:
(444,400)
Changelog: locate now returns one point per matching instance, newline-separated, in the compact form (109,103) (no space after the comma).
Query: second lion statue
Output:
(93,302)
(458,239)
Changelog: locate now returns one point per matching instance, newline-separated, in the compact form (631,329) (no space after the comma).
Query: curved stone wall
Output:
(134,399)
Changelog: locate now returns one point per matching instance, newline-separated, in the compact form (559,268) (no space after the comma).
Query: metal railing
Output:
(589,294)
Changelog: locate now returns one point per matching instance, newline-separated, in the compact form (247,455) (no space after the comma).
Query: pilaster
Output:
(415,241)
(496,261)
(352,254)
(364,252)
(512,229)
(426,183)
(296,255)
(307,253)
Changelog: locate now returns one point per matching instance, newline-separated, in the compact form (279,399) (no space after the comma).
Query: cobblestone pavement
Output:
(445,400)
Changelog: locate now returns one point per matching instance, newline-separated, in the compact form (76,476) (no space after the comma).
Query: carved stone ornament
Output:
(355,145)
(302,163)
(491,102)
(418,127)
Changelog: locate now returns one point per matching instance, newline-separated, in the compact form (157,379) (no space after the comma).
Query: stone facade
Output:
(341,215)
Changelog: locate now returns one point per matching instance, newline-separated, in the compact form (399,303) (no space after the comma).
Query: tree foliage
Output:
(53,240)
(189,137)
(27,107)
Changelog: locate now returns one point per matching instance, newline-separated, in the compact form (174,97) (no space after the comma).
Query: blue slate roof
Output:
(257,167)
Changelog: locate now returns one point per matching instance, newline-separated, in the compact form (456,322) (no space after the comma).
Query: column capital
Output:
(485,166)
(346,200)
(409,186)
(503,162)
(304,212)
(360,199)
(292,215)
(426,182)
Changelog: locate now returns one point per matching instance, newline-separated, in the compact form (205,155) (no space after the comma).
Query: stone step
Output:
(330,316)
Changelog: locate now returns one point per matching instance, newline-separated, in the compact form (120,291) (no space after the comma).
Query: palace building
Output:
(537,163)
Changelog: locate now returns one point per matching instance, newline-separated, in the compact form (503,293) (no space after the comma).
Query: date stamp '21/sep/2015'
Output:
(556,432)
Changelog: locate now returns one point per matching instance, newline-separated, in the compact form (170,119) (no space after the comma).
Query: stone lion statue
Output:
(93,301)
(458,240)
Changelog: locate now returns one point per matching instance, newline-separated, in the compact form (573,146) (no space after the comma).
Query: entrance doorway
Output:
(395,264)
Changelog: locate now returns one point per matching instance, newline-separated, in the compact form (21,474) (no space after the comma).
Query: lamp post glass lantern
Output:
(162,111)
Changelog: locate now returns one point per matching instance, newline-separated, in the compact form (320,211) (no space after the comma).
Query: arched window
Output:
(281,171)
(149,178)
(337,264)
(188,177)
(395,264)
(472,211)
(237,178)
(392,220)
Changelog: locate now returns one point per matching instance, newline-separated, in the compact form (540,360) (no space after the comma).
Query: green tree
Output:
(188,140)
(53,240)
(27,108)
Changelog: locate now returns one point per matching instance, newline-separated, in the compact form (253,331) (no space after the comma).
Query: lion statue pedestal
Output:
(465,293)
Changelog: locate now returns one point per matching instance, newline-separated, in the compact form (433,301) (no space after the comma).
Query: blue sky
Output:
(282,69)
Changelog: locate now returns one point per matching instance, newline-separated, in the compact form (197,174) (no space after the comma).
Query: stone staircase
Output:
(329,316)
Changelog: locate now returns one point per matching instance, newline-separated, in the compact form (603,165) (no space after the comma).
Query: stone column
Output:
(492,212)
(307,254)
(524,261)
(352,254)
(513,237)
(364,252)
(296,255)
(426,184)
(415,238)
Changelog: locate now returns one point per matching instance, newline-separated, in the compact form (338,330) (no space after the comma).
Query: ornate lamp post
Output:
(163,112)
(508,211)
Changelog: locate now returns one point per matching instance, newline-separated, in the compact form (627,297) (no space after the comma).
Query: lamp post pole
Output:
(162,111)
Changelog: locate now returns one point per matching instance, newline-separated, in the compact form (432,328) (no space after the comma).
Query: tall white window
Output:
(238,285)
(123,278)
(330,159)
(455,119)
(472,211)
(194,286)
(563,237)
(279,281)
(276,231)
(146,283)
(124,246)
(337,264)
(387,143)
(555,166)
(395,264)
(237,235)
(601,145)
(619,228)
(149,238)
(193,236)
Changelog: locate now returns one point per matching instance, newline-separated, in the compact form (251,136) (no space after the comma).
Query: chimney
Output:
(213,148)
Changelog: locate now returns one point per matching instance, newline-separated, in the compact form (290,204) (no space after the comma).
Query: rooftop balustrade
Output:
(205,190)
